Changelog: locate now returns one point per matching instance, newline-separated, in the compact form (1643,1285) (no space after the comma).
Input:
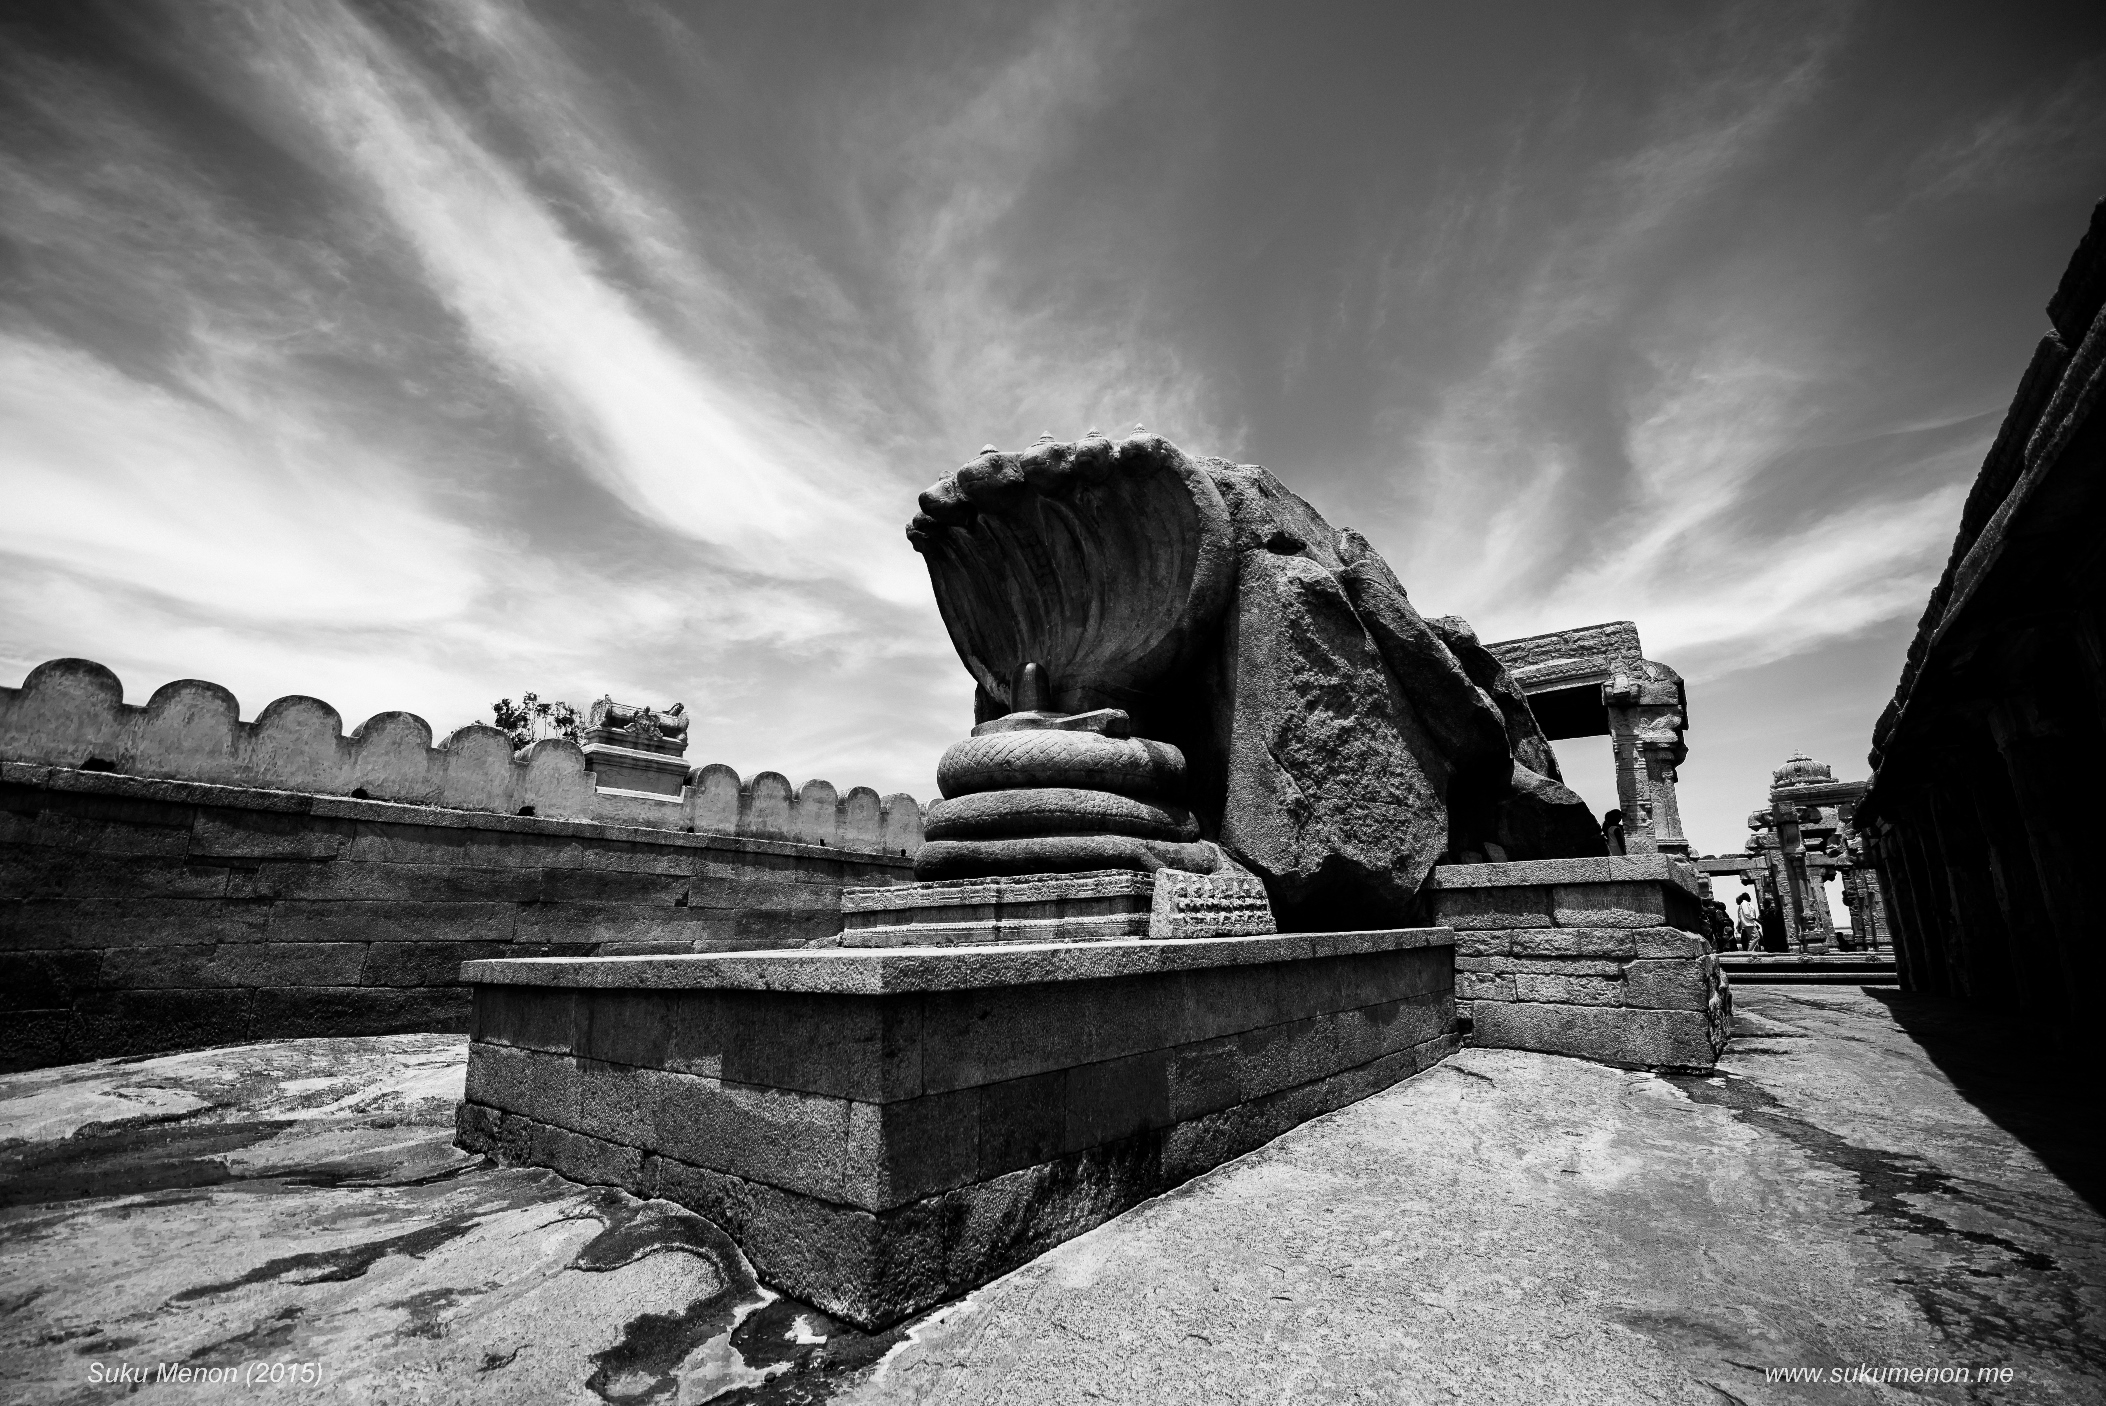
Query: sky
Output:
(407,355)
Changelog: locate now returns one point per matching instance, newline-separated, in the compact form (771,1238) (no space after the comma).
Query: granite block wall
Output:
(1605,959)
(140,915)
(883,1129)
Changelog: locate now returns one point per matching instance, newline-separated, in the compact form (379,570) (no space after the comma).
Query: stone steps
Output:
(1819,969)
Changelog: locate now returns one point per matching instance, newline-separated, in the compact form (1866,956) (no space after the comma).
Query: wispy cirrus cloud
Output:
(240,494)
(1606,458)
(216,503)
(640,412)
(406,355)
(1009,332)
(2053,127)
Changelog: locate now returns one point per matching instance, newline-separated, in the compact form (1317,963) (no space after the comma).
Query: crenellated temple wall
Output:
(72,713)
(171,876)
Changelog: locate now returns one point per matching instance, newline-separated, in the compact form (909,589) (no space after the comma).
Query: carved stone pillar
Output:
(1661,763)
(2040,765)
(1799,907)
(1887,869)
(1774,888)
(1647,717)
(1920,940)
(1633,788)
(1820,917)
(1982,957)
(1868,906)
(1934,902)
(2044,978)
(1864,931)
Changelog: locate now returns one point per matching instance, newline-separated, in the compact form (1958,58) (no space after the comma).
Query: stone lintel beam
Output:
(1820,793)
(1566,658)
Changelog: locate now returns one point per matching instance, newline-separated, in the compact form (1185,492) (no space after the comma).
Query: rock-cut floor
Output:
(1871,1179)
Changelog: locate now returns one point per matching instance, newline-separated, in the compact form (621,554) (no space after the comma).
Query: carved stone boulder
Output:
(1178,659)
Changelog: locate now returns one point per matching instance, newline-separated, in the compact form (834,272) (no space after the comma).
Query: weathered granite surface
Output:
(881,1129)
(299,1204)
(1509,1227)
(1333,741)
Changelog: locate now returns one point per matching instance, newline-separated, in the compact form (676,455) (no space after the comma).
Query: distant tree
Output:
(531,720)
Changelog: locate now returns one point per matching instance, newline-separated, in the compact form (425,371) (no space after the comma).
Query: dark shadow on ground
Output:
(2000,1064)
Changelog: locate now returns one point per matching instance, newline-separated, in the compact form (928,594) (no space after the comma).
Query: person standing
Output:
(1612,831)
(1747,923)
(1772,924)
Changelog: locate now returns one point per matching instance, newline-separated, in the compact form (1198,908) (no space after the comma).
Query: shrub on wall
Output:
(530,720)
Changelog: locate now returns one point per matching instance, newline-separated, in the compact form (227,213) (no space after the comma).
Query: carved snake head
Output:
(1106,563)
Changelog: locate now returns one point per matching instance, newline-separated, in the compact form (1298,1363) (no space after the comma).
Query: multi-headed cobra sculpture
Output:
(1181,665)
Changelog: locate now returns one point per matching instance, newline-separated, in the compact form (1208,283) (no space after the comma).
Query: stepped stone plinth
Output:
(1604,958)
(882,1129)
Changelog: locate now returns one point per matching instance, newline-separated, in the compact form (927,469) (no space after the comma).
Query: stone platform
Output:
(883,1128)
(1606,959)
(1089,907)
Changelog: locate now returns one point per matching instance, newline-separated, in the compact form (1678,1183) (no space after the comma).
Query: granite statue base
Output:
(1605,959)
(1108,904)
(630,768)
(884,1128)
